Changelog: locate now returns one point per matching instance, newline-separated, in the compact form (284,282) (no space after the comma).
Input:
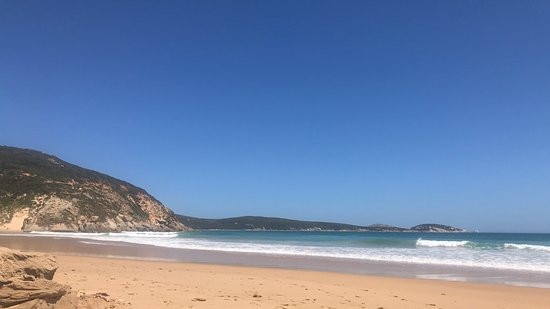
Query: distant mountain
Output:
(281,224)
(262,223)
(41,192)
(384,228)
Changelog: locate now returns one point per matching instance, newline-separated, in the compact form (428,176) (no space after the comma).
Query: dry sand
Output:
(16,222)
(148,284)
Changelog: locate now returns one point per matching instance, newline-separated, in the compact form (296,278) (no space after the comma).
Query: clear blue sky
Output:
(398,112)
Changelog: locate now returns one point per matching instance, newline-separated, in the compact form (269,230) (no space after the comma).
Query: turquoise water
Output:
(521,252)
(378,240)
(527,253)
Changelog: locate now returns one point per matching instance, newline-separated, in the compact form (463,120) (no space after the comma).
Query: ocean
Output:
(519,259)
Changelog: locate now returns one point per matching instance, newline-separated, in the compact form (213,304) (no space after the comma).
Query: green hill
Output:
(48,194)
(281,224)
(268,223)
(52,194)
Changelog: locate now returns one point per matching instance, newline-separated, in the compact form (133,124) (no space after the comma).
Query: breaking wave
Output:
(527,247)
(442,243)
(482,252)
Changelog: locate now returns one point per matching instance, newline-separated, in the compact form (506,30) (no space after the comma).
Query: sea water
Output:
(527,255)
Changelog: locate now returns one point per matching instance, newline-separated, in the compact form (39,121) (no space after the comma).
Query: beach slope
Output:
(152,284)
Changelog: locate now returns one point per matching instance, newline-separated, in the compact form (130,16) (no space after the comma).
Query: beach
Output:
(511,259)
(152,284)
(131,276)
(274,154)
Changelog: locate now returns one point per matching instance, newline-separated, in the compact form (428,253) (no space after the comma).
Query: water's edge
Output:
(118,249)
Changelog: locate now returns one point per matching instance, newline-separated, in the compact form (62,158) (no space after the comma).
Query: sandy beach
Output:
(140,282)
(150,284)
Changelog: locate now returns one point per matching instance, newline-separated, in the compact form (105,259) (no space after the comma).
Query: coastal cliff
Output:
(40,192)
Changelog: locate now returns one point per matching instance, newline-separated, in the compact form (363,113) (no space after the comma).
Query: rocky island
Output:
(40,192)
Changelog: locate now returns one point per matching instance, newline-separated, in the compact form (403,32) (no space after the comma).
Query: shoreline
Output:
(133,277)
(131,251)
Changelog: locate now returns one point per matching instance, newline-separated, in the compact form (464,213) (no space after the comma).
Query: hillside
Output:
(281,224)
(267,223)
(42,192)
(432,227)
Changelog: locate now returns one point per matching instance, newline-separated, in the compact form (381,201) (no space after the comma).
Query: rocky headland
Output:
(40,192)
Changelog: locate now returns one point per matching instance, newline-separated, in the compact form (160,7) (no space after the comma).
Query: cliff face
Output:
(39,192)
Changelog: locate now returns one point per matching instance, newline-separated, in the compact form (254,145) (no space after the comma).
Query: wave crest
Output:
(527,247)
(441,243)
(146,234)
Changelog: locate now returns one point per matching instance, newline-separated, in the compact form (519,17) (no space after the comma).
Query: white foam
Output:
(441,243)
(91,242)
(67,234)
(428,252)
(146,234)
(114,234)
(527,247)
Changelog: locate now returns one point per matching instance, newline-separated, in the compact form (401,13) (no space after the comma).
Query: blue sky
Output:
(398,112)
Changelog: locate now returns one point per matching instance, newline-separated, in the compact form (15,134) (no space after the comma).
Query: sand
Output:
(141,283)
(151,284)
(16,222)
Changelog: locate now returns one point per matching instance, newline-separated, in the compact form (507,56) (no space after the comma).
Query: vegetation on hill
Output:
(432,227)
(60,195)
(281,224)
(263,223)
(55,195)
